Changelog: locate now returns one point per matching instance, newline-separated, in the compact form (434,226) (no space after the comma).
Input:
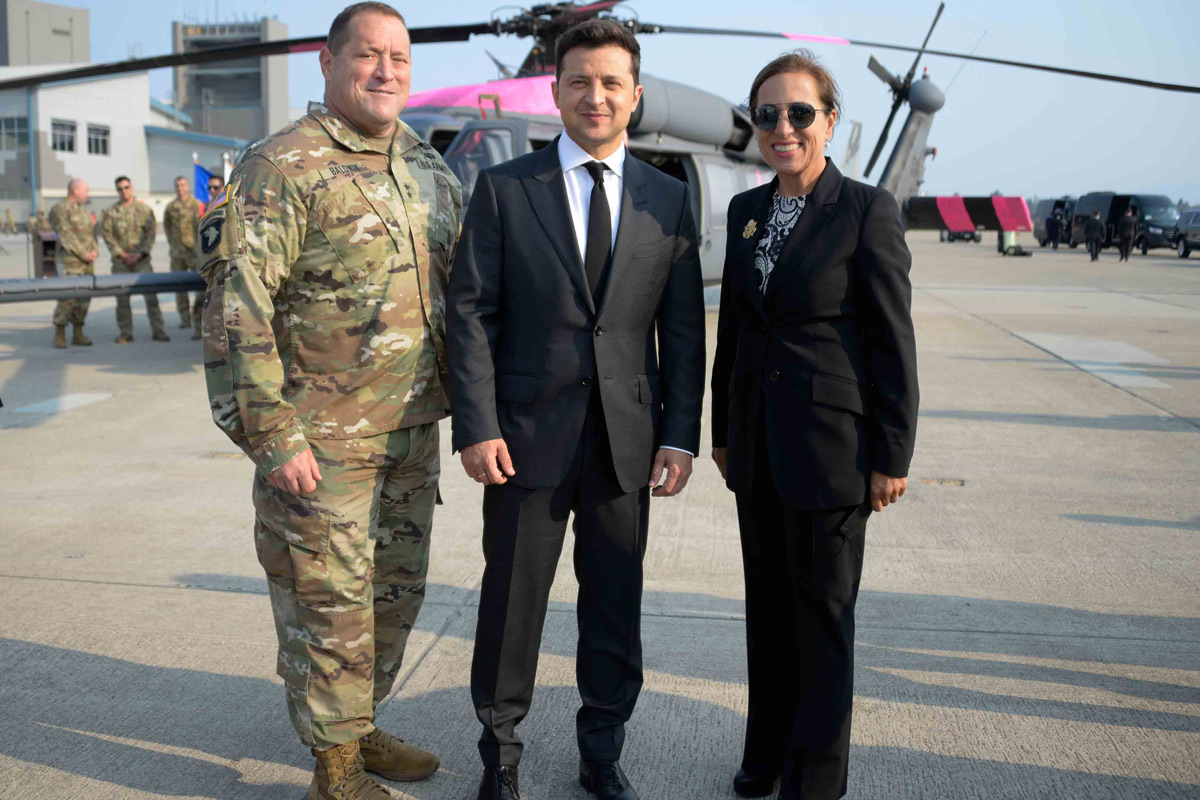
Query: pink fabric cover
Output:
(519,95)
(1013,213)
(954,214)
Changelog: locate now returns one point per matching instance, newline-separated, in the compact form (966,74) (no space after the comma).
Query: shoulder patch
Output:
(210,233)
(220,200)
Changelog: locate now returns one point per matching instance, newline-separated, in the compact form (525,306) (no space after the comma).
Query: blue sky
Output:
(1018,131)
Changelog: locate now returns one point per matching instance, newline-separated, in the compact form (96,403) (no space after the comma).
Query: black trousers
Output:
(802,573)
(1094,246)
(1126,246)
(523,531)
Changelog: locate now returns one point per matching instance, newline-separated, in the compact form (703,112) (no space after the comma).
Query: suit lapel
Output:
(818,208)
(759,211)
(636,194)
(547,192)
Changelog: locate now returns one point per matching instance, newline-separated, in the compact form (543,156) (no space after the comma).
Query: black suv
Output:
(1186,235)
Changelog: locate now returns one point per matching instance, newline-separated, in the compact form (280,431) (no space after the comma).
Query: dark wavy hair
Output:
(598,33)
(802,61)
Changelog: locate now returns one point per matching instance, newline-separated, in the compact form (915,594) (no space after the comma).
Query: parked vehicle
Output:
(1156,215)
(1186,235)
(960,236)
(1045,208)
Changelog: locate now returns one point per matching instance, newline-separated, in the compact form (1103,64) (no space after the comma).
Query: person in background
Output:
(1094,234)
(1054,228)
(814,418)
(180,219)
(77,253)
(128,230)
(1127,227)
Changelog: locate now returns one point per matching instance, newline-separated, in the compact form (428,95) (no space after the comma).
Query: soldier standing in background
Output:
(77,253)
(10,224)
(215,184)
(324,346)
(128,230)
(180,219)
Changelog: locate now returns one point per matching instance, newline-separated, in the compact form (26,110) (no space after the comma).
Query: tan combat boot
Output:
(390,757)
(339,776)
(60,336)
(160,336)
(77,337)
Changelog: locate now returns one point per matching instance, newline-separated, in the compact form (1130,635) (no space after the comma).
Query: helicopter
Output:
(686,132)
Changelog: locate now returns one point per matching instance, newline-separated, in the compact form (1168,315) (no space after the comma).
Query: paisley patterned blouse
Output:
(784,213)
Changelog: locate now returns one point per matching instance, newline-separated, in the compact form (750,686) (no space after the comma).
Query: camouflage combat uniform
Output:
(130,229)
(324,326)
(76,233)
(179,223)
(10,224)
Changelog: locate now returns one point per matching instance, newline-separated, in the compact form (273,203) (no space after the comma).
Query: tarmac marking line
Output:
(999,327)
(1120,669)
(63,402)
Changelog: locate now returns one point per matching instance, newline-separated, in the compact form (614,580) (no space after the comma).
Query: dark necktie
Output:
(599,231)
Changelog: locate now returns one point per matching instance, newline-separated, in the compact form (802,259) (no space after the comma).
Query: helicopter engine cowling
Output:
(688,113)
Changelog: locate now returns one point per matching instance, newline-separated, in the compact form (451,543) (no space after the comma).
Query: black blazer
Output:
(828,356)
(527,342)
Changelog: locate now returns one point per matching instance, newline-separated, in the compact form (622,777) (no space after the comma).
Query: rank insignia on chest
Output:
(210,234)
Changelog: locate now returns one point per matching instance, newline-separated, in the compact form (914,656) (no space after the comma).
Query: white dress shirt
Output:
(579,187)
(579,182)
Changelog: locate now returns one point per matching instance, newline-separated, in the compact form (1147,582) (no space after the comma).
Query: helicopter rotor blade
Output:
(883,136)
(913,69)
(644,27)
(882,73)
(308,44)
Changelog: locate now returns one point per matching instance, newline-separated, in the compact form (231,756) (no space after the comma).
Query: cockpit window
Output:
(476,150)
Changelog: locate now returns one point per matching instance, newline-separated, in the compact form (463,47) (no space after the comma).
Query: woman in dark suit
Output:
(814,417)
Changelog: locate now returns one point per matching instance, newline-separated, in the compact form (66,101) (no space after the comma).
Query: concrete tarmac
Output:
(1029,622)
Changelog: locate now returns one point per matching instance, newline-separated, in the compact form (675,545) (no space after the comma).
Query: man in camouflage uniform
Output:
(179,223)
(324,347)
(10,224)
(128,230)
(76,254)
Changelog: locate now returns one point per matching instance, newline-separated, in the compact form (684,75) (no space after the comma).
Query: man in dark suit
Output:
(1127,227)
(574,261)
(1094,234)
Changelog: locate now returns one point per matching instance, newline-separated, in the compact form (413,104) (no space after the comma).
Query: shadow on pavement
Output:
(223,735)
(1138,522)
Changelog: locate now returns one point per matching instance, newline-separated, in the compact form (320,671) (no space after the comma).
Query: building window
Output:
(14,133)
(62,136)
(98,140)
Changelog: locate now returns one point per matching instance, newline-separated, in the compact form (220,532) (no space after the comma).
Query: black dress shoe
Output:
(746,784)
(606,780)
(499,783)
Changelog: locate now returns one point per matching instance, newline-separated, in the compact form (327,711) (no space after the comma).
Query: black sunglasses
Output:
(800,115)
